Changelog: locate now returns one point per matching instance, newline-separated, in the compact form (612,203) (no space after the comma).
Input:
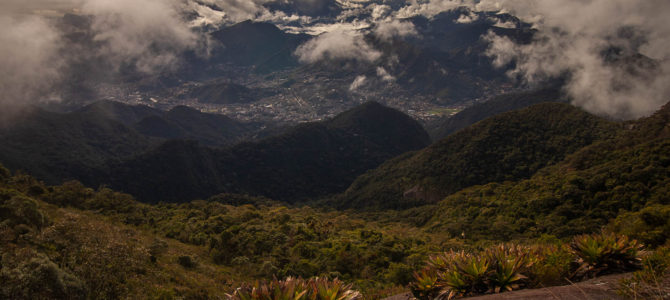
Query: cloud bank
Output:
(595,45)
(337,45)
(148,34)
(30,66)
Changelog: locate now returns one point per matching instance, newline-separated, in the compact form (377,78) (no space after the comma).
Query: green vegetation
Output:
(309,161)
(297,289)
(125,147)
(480,111)
(511,146)
(104,244)
(605,252)
(608,180)
(511,267)
(71,241)
(653,281)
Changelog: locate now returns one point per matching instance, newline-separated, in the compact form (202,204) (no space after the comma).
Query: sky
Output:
(150,34)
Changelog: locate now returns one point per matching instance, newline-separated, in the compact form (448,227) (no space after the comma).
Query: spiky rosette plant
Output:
(466,274)
(509,264)
(324,289)
(425,285)
(604,252)
(296,289)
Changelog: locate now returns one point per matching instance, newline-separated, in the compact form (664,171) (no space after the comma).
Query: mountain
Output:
(56,147)
(183,122)
(124,113)
(260,45)
(497,105)
(624,180)
(311,160)
(510,146)
(180,122)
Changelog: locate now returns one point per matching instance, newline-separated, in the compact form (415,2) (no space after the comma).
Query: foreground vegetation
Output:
(76,242)
(71,241)
(511,267)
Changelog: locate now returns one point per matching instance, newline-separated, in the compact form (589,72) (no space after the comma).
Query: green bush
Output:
(39,278)
(187,262)
(4,174)
(22,210)
(71,193)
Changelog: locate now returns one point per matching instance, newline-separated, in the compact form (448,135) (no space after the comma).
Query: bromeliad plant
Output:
(458,274)
(603,253)
(509,264)
(296,289)
(425,285)
(510,267)
(466,274)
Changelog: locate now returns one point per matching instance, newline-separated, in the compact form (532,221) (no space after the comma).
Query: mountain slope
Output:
(257,44)
(124,113)
(182,122)
(510,146)
(308,161)
(56,147)
(497,105)
(629,173)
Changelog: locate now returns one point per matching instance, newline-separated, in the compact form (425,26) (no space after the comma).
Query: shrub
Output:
(39,278)
(71,193)
(4,174)
(22,210)
(551,265)
(187,262)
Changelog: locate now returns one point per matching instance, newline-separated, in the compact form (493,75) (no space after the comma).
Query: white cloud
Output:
(29,59)
(358,82)
(384,75)
(336,45)
(431,8)
(572,37)
(148,33)
(467,18)
(380,11)
(391,28)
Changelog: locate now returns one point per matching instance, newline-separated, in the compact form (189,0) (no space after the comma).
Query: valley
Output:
(334,149)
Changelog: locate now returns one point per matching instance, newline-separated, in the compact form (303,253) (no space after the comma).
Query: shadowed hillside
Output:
(509,146)
(311,160)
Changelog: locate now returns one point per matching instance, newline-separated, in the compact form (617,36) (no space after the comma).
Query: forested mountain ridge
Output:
(311,160)
(57,147)
(510,146)
(499,104)
(599,183)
